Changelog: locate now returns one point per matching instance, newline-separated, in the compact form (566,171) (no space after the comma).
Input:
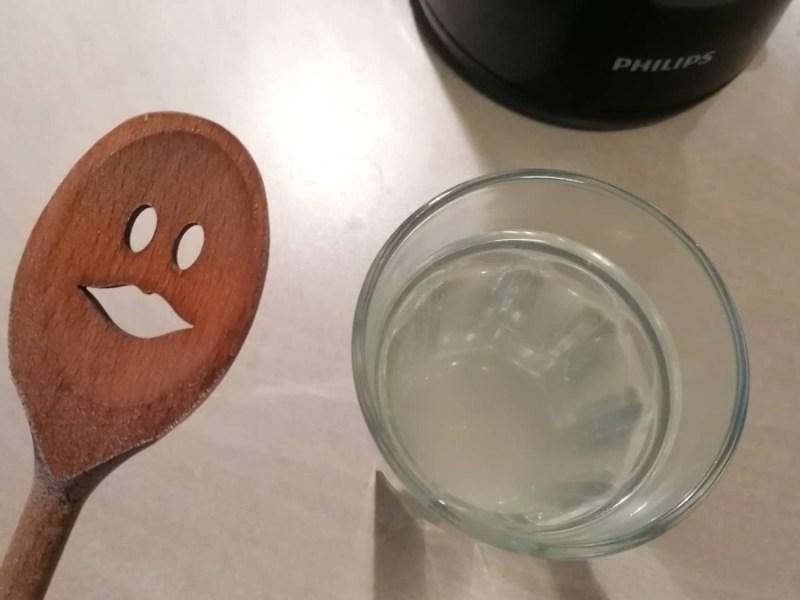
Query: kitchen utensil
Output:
(94,394)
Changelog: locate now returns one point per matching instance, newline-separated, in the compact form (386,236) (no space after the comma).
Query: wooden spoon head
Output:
(91,391)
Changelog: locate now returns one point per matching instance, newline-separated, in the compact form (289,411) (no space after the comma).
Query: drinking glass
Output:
(549,364)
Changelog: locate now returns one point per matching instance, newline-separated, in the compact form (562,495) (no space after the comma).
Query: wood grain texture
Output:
(93,393)
(71,365)
(42,533)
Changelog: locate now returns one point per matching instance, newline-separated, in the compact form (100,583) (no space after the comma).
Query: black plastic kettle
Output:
(599,63)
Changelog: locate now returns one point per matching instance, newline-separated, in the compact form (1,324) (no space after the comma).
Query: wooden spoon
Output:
(95,395)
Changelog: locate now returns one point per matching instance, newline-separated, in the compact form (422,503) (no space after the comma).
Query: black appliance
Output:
(599,63)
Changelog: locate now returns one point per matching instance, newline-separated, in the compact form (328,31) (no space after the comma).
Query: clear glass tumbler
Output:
(549,364)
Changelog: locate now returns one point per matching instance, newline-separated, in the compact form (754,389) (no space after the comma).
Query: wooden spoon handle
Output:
(38,542)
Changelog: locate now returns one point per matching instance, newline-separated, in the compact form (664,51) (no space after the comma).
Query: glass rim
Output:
(541,546)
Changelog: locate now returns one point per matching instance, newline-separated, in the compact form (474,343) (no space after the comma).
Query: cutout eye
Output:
(141,228)
(189,245)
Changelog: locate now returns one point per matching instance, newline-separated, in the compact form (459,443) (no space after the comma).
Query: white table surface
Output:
(268,491)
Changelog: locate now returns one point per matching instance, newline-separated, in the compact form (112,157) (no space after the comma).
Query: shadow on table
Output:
(575,580)
(415,562)
(399,561)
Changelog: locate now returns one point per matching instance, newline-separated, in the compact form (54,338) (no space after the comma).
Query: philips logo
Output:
(652,65)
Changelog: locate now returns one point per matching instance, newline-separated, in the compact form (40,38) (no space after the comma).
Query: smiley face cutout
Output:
(73,364)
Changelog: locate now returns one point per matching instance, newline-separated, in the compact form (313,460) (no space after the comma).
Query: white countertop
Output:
(268,491)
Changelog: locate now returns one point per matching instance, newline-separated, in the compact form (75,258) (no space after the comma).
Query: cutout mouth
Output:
(134,312)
